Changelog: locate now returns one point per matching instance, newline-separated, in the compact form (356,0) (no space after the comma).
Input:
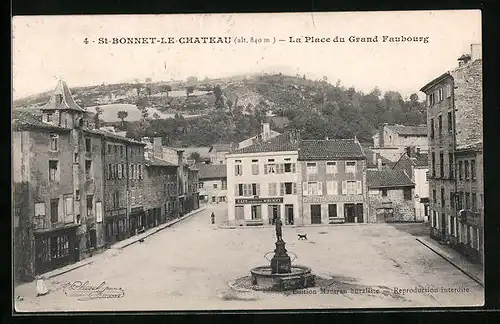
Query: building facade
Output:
(58,183)
(454,114)
(266,134)
(415,164)
(262,182)
(391,141)
(390,196)
(333,182)
(212,183)
(118,153)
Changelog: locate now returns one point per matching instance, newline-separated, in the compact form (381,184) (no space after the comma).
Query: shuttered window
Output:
(304,189)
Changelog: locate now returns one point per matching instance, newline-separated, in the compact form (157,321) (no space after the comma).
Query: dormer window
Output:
(59,99)
(49,117)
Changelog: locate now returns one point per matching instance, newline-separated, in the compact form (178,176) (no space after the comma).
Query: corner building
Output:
(262,182)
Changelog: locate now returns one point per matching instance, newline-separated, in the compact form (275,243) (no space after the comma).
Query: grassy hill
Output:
(231,109)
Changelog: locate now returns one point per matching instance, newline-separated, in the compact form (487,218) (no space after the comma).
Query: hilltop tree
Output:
(138,87)
(192,79)
(156,116)
(122,114)
(165,88)
(189,90)
(148,85)
(195,156)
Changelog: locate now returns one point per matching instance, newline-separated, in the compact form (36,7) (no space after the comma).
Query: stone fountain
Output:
(281,274)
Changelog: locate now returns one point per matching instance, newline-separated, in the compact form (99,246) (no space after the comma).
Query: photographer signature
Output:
(84,290)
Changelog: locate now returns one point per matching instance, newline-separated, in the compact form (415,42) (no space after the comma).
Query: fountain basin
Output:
(298,278)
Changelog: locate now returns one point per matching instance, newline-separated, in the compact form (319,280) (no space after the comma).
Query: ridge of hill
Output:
(231,109)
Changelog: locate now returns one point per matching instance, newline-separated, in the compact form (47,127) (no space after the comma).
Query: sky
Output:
(46,48)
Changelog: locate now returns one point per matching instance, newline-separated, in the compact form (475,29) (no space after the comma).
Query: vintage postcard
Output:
(247,161)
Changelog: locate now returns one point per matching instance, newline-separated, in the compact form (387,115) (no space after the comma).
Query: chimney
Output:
(326,138)
(475,52)
(381,135)
(157,147)
(266,131)
(379,163)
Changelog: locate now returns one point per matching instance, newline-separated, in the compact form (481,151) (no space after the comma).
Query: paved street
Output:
(189,265)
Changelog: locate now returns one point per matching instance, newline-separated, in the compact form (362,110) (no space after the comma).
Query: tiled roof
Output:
(280,143)
(112,135)
(67,99)
(29,121)
(387,179)
(212,171)
(422,160)
(330,149)
(158,162)
(409,130)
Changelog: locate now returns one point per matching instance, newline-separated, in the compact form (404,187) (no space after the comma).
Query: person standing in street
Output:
(213,218)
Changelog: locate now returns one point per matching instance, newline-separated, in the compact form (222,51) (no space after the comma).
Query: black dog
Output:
(302,236)
(141,240)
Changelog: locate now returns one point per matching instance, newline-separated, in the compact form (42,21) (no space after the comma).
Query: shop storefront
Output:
(56,248)
(264,211)
(116,225)
(137,219)
(333,209)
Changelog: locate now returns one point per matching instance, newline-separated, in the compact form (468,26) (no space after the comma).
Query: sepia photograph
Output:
(250,161)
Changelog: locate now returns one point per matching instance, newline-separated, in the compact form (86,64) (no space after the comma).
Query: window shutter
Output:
(320,188)
(294,188)
(258,189)
(304,188)
(329,188)
(119,171)
(335,188)
(282,189)
(265,168)
(344,187)
(294,168)
(360,187)
(280,168)
(236,170)
(270,189)
(236,190)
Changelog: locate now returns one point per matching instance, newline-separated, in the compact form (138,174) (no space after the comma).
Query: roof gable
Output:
(281,143)
(409,130)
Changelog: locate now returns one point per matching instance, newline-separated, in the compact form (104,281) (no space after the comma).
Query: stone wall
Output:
(468,103)
(403,210)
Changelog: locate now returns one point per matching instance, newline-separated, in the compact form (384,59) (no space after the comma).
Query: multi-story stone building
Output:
(119,172)
(454,116)
(262,182)
(212,183)
(332,174)
(57,186)
(391,141)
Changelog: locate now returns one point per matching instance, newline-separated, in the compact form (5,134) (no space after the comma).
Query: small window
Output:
(213,198)
(88,169)
(270,160)
(473,169)
(88,145)
(90,207)
(312,168)
(53,171)
(288,167)
(54,138)
(215,186)
(200,185)
(331,167)
(350,167)
(384,192)
(407,193)
(450,121)
(110,148)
